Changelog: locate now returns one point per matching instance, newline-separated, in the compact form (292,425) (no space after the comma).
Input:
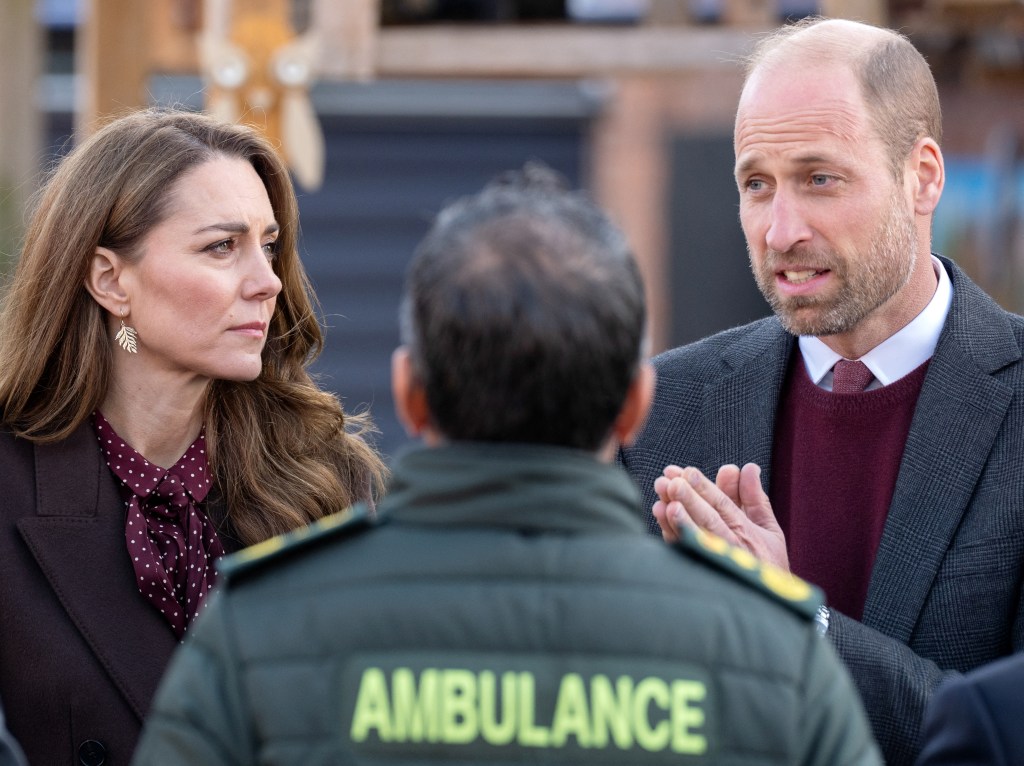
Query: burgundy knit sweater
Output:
(834,467)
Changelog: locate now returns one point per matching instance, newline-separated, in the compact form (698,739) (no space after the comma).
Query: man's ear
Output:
(636,405)
(409,395)
(104,281)
(927,172)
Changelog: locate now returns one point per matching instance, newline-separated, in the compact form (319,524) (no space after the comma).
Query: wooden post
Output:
(869,11)
(112,60)
(748,13)
(349,35)
(20,121)
(630,179)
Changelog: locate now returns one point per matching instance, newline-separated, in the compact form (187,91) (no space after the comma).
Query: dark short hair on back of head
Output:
(524,315)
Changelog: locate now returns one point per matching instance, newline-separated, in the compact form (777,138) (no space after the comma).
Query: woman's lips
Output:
(255,329)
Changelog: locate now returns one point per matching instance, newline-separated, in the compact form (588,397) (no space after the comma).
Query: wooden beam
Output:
(511,51)
(556,51)
(21,45)
(113,60)
(870,11)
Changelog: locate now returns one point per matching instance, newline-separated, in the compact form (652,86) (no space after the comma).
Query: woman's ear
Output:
(104,281)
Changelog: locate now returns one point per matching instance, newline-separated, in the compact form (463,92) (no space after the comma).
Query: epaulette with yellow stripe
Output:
(799,595)
(351,521)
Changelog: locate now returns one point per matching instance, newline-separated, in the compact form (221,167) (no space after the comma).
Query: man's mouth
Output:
(799,277)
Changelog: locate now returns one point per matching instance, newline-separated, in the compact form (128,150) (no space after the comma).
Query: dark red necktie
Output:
(850,377)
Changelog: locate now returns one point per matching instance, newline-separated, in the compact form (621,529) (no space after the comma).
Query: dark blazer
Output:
(81,651)
(945,591)
(975,720)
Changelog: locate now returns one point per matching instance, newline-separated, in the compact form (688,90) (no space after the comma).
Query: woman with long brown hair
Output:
(155,412)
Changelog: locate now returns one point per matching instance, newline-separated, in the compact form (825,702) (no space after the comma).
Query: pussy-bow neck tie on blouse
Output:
(171,541)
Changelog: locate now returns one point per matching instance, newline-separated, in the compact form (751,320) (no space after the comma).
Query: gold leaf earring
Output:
(127,337)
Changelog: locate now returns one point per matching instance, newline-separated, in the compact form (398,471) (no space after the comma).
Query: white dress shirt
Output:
(897,355)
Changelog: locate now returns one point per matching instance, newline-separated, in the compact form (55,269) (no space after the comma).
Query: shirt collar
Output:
(142,477)
(897,355)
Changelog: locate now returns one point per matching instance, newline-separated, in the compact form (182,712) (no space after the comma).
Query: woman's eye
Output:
(270,249)
(224,246)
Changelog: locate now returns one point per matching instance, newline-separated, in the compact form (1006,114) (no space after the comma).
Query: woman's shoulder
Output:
(21,457)
(12,446)
(81,439)
(17,472)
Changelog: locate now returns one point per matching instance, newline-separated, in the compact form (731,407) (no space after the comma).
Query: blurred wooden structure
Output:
(20,123)
(664,74)
(667,75)
(123,42)
(134,40)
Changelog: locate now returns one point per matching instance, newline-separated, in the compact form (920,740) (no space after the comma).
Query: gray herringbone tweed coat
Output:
(946,588)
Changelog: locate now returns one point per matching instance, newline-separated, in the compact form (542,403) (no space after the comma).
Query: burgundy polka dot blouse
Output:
(171,541)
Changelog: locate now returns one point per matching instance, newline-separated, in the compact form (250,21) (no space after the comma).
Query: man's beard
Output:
(884,271)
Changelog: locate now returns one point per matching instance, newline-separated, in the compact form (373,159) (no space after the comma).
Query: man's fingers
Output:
(692,498)
(672,471)
(661,485)
(721,504)
(670,532)
(672,518)
(728,480)
(694,505)
(754,500)
(735,507)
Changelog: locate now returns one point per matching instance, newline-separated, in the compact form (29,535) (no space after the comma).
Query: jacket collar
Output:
(977,326)
(512,486)
(69,474)
(962,403)
(77,538)
(743,429)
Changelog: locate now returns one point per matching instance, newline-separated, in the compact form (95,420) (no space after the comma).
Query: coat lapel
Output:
(959,414)
(739,408)
(77,538)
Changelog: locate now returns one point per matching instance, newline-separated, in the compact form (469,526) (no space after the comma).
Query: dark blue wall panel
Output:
(386,179)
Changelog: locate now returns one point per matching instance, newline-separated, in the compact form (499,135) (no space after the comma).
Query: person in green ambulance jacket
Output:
(506,604)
